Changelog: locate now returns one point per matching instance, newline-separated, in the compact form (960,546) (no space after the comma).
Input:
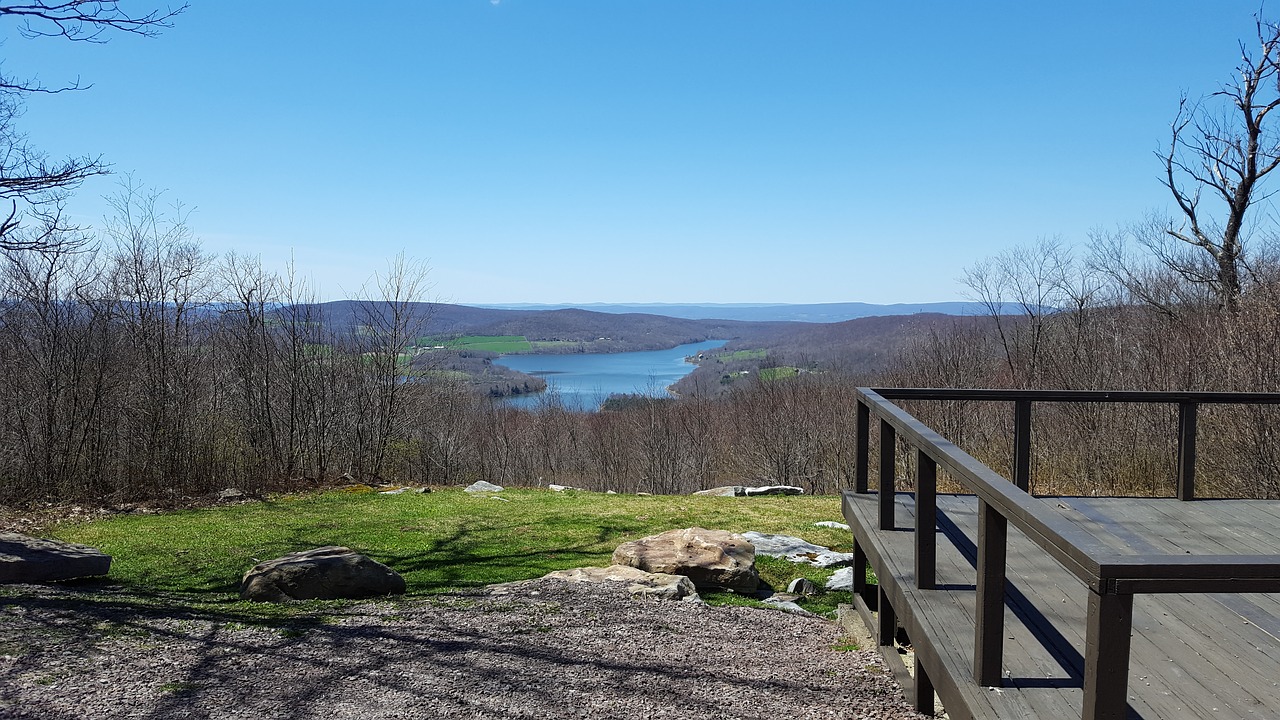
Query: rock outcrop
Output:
(482,486)
(325,573)
(25,559)
(712,559)
(749,491)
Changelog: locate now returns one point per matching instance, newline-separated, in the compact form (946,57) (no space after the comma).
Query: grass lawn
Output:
(491,343)
(440,541)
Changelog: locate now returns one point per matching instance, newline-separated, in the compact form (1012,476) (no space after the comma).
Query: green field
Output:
(778,373)
(441,541)
(491,343)
(742,355)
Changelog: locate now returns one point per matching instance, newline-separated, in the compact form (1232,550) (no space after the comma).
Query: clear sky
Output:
(640,151)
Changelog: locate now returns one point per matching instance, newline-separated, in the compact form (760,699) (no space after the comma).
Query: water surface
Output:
(585,380)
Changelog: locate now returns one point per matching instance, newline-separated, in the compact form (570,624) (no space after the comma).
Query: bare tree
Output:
(33,185)
(1225,144)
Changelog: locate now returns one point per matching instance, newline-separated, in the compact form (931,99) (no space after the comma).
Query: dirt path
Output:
(558,651)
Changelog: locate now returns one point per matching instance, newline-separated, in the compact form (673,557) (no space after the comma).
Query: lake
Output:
(583,381)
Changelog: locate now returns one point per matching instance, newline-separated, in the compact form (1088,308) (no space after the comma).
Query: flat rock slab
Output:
(797,550)
(747,491)
(25,559)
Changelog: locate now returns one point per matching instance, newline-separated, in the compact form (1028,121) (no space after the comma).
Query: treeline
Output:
(1103,319)
(139,366)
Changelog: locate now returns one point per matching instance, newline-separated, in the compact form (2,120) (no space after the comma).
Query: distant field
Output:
(778,373)
(489,343)
(743,355)
(553,344)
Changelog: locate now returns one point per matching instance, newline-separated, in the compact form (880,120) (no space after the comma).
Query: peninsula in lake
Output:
(467,343)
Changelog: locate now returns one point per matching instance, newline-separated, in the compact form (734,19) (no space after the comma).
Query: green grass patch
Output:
(742,355)
(491,343)
(778,373)
(441,541)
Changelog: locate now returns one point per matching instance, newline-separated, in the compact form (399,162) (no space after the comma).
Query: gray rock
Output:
(773,490)
(640,583)
(724,491)
(561,488)
(831,524)
(747,491)
(25,559)
(230,494)
(797,550)
(398,491)
(841,579)
(712,559)
(803,587)
(782,602)
(325,573)
(482,486)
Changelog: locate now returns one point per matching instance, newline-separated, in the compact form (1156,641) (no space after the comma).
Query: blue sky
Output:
(590,151)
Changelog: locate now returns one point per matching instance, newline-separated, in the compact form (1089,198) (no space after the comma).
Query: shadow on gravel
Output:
(549,654)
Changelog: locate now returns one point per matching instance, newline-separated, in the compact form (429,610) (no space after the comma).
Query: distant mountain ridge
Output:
(761,312)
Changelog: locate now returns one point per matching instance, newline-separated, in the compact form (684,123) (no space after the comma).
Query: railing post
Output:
(1106,656)
(924,690)
(926,521)
(1022,443)
(862,448)
(888,619)
(1187,450)
(888,468)
(988,644)
(860,571)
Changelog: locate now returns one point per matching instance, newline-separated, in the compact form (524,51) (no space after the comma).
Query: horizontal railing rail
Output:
(1112,578)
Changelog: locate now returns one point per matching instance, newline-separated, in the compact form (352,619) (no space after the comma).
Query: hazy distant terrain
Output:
(764,312)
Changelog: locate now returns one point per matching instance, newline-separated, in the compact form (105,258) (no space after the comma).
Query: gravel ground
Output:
(556,650)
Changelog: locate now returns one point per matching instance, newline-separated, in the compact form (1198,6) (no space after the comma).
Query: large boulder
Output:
(480,486)
(25,559)
(712,559)
(325,573)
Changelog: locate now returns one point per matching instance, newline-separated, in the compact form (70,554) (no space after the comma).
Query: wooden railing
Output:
(1112,579)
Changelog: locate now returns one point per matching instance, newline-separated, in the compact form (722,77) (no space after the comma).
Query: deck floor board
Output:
(1193,655)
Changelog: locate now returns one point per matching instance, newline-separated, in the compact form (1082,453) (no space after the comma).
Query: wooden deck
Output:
(1020,606)
(1192,655)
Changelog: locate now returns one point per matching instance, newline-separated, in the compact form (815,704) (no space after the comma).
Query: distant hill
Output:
(765,312)
(863,347)
(573,330)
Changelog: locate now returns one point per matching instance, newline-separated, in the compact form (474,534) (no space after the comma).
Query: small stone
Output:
(803,587)
(783,603)
(831,524)
(841,579)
